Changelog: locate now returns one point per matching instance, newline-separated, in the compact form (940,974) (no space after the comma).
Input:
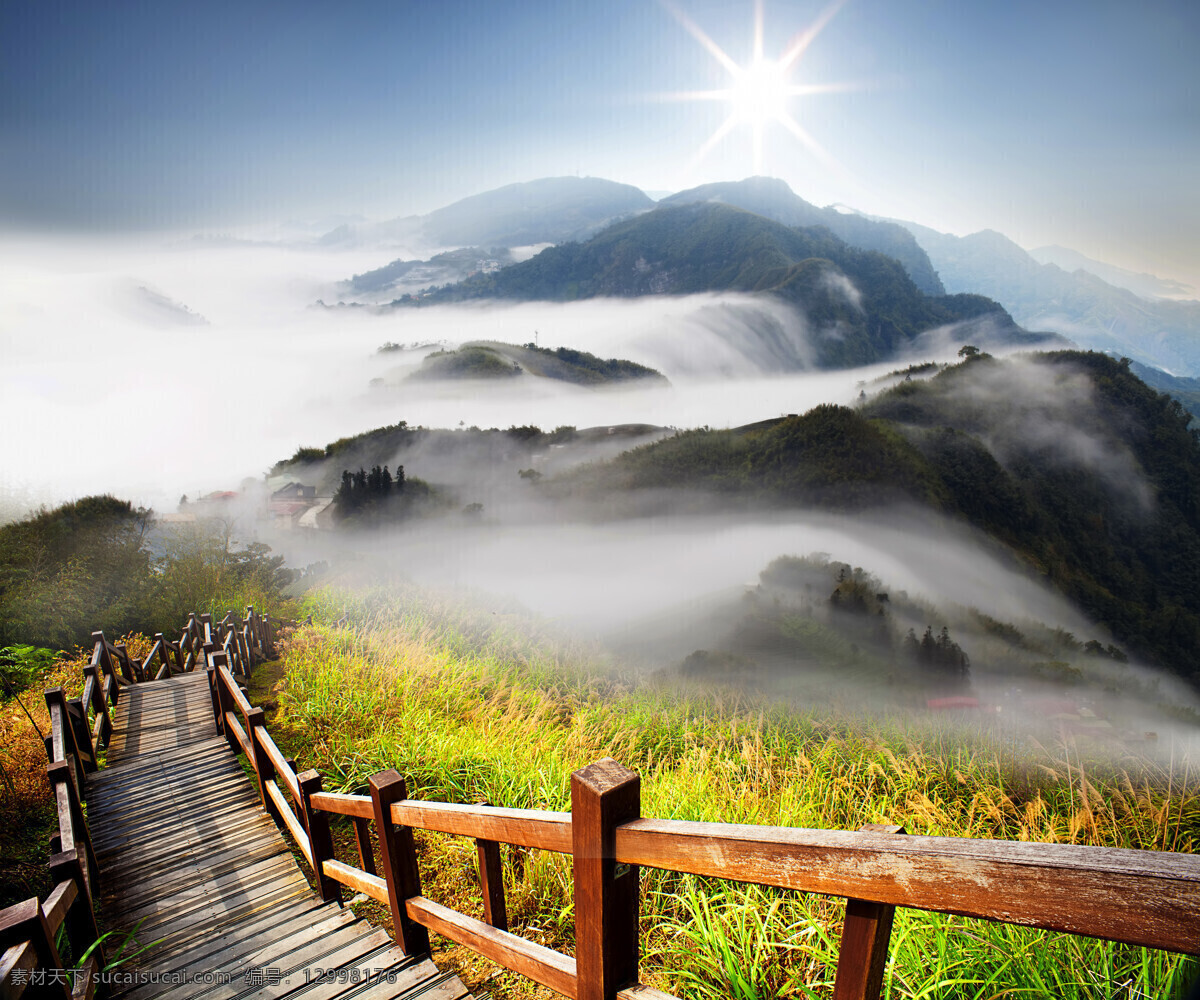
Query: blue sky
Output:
(1068,122)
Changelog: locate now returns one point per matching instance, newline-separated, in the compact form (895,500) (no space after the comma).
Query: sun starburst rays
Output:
(759,92)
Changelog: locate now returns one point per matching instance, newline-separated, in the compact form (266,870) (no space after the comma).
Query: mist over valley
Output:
(514,419)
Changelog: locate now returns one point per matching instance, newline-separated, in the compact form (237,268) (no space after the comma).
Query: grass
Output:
(27,811)
(473,706)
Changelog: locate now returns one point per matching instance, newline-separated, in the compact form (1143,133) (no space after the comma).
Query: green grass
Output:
(471,706)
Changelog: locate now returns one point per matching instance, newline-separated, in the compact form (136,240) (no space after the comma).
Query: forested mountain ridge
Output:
(1089,477)
(773,199)
(861,305)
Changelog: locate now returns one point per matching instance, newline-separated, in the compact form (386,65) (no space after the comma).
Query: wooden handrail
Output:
(1146,898)
(537,962)
(17,961)
(283,769)
(235,692)
(55,908)
(291,822)
(357,879)
(72,751)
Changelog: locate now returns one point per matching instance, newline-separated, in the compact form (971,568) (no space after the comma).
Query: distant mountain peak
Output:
(547,210)
(772,198)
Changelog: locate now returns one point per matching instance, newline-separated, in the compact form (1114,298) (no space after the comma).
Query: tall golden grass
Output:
(471,706)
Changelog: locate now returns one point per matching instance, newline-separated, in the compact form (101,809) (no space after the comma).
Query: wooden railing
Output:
(80,729)
(1145,898)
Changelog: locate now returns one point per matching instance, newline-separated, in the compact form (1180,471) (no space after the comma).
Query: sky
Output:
(1075,123)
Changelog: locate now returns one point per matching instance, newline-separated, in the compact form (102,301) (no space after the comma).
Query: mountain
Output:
(860,305)
(543,211)
(1084,474)
(1078,305)
(772,198)
(492,360)
(1146,286)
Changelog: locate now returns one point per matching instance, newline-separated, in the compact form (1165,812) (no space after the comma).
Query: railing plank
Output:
(290,821)
(547,831)
(16,962)
(542,965)
(1139,897)
(233,726)
(358,806)
(235,692)
(85,982)
(640,992)
(283,770)
(55,908)
(357,879)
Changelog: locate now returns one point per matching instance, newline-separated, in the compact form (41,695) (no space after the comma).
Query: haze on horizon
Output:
(1068,124)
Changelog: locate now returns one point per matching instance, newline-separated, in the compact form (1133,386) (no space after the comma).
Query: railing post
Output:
(320,841)
(59,773)
(25,921)
(491,882)
(862,956)
(224,701)
(126,662)
(215,696)
(99,702)
(106,663)
(399,861)
(256,726)
(164,655)
(82,931)
(604,795)
(243,638)
(60,720)
(362,834)
(75,713)
(252,632)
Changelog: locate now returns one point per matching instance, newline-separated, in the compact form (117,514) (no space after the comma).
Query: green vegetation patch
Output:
(470,361)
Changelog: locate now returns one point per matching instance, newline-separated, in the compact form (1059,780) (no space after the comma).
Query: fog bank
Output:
(152,370)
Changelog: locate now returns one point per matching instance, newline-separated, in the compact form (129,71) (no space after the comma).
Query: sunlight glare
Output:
(760,91)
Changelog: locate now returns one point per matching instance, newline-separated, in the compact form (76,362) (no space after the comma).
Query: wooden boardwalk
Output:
(188,855)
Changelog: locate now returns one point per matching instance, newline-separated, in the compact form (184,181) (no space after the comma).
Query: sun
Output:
(760,93)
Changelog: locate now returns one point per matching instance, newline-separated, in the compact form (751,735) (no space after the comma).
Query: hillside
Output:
(773,199)
(543,211)
(862,306)
(492,360)
(1089,477)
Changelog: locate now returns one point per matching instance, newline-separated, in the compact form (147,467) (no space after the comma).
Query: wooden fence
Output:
(80,729)
(1145,898)
(1138,897)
